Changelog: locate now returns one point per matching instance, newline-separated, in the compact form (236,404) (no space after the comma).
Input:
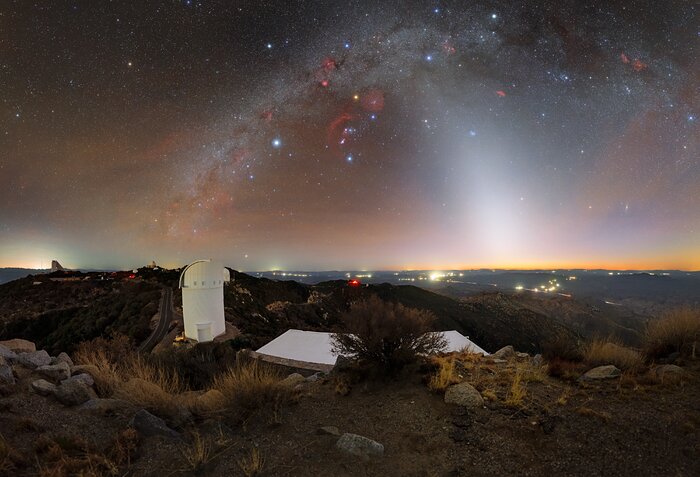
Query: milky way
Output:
(332,135)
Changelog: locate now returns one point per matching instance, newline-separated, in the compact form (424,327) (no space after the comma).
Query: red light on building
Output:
(354,283)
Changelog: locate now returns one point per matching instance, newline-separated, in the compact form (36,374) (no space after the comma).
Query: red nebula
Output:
(324,83)
(624,58)
(449,49)
(266,115)
(373,100)
(337,124)
(501,93)
(329,64)
(638,65)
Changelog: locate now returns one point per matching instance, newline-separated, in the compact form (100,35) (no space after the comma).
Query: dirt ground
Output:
(617,427)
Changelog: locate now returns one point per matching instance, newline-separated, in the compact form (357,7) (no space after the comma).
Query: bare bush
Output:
(387,335)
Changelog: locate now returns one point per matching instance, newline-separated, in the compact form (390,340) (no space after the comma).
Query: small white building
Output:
(314,349)
(202,284)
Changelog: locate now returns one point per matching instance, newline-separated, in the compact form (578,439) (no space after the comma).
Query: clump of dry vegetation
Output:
(253,464)
(198,454)
(611,351)
(252,386)
(10,459)
(387,336)
(517,391)
(677,331)
(445,375)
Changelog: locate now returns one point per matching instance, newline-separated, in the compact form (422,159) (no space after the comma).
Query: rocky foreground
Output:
(455,415)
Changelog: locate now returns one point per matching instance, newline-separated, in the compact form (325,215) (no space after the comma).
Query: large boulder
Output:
(34,359)
(464,394)
(150,425)
(6,375)
(504,353)
(359,446)
(19,345)
(43,388)
(55,372)
(73,393)
(7,353)
(602,372)
(62,358)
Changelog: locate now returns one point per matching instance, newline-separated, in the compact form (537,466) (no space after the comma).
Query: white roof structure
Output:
(315,346)
(307,346)
(456,341)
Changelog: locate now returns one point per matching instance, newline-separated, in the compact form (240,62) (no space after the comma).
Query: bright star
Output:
(494,16)
(472,133)
(346,46)
(428,57)
(348,158)
(269,46)
(276,143)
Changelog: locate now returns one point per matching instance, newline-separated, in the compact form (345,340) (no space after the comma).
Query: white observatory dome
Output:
(202,284)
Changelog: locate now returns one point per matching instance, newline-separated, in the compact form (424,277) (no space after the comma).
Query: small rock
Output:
(293,379)
(63,358)
(105,406)
(19,345)
(464,394)
(34,359)
(342,363)
(83,377)
(522,355)
(329,430)
(504,353)
(55,372)
(537,360)
(359,446)
(43,388)
(73,393)
(7,353)
(150,425)
(6,375)
(500,361)
(602,372)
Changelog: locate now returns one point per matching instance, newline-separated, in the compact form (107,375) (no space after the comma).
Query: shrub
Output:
(517,391)
(566,370)
(562,348)
(252,386)
(676,331)
(601,352)
(253,465)
(386,335)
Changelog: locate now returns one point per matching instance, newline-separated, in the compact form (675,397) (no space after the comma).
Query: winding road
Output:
(166,316)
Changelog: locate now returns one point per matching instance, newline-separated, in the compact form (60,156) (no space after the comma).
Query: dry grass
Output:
(197,455)
(252,386)
(587,411)
(517,392)
(66,455)
(564,397)
(565,370)
(676,331)
(10,459)
(252,465)
(125,446)
(602,352)
(445,375)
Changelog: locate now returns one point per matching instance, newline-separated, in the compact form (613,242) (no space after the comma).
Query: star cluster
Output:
(361,134)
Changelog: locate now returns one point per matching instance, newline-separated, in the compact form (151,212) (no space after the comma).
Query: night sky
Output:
(350,135)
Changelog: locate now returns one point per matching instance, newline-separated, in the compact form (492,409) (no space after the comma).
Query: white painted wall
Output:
(202,284)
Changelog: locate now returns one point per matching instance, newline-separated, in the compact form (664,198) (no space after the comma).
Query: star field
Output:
(327,135)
